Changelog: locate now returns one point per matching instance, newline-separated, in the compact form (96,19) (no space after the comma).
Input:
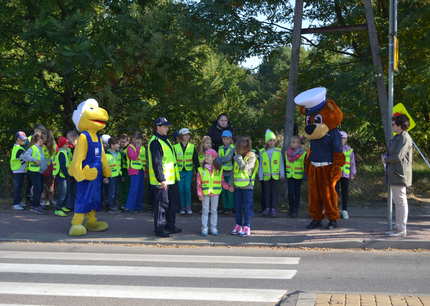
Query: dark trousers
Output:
(18,183)
(36,179)
(61,191)
(294,186)
(113,187)
(270,194)
(262,199)
(71,195)
(165,205)
(342,188)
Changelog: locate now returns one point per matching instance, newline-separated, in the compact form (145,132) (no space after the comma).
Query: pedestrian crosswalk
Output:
(212,278)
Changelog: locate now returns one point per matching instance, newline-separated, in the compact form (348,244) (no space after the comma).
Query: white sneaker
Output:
(397,234)
(183,212)
(17,207)
(189,211)
(344,214)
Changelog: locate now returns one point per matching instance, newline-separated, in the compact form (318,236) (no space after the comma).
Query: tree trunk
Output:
(293,73)
(379,72)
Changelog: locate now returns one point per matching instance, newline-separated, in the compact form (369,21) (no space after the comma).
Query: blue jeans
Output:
(61,191)
(18,182)
(244,205)
(36,179)
(135,193)
(113,192)
(185,188)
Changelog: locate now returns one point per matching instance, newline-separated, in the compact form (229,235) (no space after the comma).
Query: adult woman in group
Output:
(215,131)
(399,171)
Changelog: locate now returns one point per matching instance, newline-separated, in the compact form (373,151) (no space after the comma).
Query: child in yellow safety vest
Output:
(205,144)
(270,172)
(187,161)
(136,160)
(19,169)
(124,184)
(349,170)
(113,157)
(37,164)
(245,170)
(210,183)
(295,171)
(62,161)
(225,159)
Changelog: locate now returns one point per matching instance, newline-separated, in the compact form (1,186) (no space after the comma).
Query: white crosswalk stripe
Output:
(37,264)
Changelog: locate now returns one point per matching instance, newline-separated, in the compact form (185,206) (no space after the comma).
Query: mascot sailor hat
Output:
(313,100)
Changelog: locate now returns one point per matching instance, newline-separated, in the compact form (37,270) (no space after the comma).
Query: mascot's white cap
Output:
(80,110)
(105,138)
(311,97)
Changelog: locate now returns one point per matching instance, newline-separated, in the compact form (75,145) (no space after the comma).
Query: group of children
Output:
(227,173)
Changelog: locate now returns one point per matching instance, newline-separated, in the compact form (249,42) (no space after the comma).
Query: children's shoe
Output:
(246,231)
(183,212)
(397,234)
(236,229)
(266,212)
(344,214)
(214,232)
(17,207)
(189,211)
(60,213)
(38,210)
(204,232)
(273,213)
(66,210)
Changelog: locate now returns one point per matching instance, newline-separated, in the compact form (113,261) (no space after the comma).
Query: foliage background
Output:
(181,59)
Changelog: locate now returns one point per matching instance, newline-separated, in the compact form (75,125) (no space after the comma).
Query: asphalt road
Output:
(66,274)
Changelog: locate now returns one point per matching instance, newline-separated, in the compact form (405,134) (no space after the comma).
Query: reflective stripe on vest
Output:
(271,167)
(138,163)
(295,169)
(15,163)
(33,167)
(57,170)
(211,182)
(170,169)
(184,160)
(222,152)
(241,178)
(347,167)
(114,162)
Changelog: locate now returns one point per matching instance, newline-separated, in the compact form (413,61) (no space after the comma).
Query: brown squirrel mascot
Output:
(325,158)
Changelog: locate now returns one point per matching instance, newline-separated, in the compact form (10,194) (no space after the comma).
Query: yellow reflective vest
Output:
(211,181)
(347,167)
(170,169)
(57,168)
(271,167)
(114,162)
(184,159)
(241,178)
(295,169)
(223,152)
(15,163)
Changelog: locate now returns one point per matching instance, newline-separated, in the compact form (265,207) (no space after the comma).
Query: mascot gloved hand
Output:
(325,158)
(88,166)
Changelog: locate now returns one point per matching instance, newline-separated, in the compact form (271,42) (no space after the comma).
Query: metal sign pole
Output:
(392,35)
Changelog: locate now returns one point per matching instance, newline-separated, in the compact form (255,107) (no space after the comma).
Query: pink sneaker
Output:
(246,231)
(237,229)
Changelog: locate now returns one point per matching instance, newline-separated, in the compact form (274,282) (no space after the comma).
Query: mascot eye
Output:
(308,120)
(318,119)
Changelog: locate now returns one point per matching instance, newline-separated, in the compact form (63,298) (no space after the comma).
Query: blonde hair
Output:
(202,142)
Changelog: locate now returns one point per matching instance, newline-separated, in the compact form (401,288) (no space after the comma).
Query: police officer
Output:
(163,176)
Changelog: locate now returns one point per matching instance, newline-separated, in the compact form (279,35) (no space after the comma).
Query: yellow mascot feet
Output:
(77,229)
(93,225)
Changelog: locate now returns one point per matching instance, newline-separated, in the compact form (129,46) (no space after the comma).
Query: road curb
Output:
(376,244)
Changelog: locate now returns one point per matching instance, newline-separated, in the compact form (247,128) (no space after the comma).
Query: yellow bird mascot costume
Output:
(88,164)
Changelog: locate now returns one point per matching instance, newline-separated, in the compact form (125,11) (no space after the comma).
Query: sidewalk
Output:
(349,299)
(359,232)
